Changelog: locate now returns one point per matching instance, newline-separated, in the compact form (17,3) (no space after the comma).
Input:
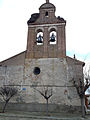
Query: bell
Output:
(39,39)
(52,38)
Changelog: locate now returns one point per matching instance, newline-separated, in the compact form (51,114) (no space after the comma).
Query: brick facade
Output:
(46,24)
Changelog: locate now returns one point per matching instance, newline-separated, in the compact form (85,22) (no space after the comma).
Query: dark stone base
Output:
(37,107)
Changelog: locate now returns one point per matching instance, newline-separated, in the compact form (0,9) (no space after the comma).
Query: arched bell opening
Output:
(39,37)
(53,36)
(46,13)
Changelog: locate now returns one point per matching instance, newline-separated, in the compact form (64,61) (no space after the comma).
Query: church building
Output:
(44,65)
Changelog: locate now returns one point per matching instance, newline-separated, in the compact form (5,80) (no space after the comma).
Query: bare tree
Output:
(7,92)
(80,90)
(82,87)
(86,78)
(47,94)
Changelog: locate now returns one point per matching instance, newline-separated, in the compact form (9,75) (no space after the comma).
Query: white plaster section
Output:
(39,28)
(52,27)
(53,71)
(46,25)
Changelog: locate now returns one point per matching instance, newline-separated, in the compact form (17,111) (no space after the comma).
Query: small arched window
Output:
(46,14)
(39,37)
(53,36)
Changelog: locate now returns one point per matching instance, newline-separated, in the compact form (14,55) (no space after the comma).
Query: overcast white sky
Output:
(13,25)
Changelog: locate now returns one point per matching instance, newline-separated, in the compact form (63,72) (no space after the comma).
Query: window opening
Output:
(39,38)
(46,14)
(36,71)
(53,37)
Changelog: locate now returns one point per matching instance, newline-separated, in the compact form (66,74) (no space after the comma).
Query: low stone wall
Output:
(36,107)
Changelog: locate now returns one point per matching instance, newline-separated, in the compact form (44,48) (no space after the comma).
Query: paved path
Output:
(39,116)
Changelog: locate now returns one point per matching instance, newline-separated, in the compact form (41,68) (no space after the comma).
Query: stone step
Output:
(20,117)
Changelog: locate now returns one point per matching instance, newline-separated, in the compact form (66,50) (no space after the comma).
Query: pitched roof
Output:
(14,60)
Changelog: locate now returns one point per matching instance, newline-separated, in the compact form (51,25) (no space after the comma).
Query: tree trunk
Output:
(82,106)
(47,107)
(4,106)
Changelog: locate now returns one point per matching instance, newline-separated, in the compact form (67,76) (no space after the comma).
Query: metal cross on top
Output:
(47,1)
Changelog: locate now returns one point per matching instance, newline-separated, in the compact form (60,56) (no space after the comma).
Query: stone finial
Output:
(47,1)
(74,56)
